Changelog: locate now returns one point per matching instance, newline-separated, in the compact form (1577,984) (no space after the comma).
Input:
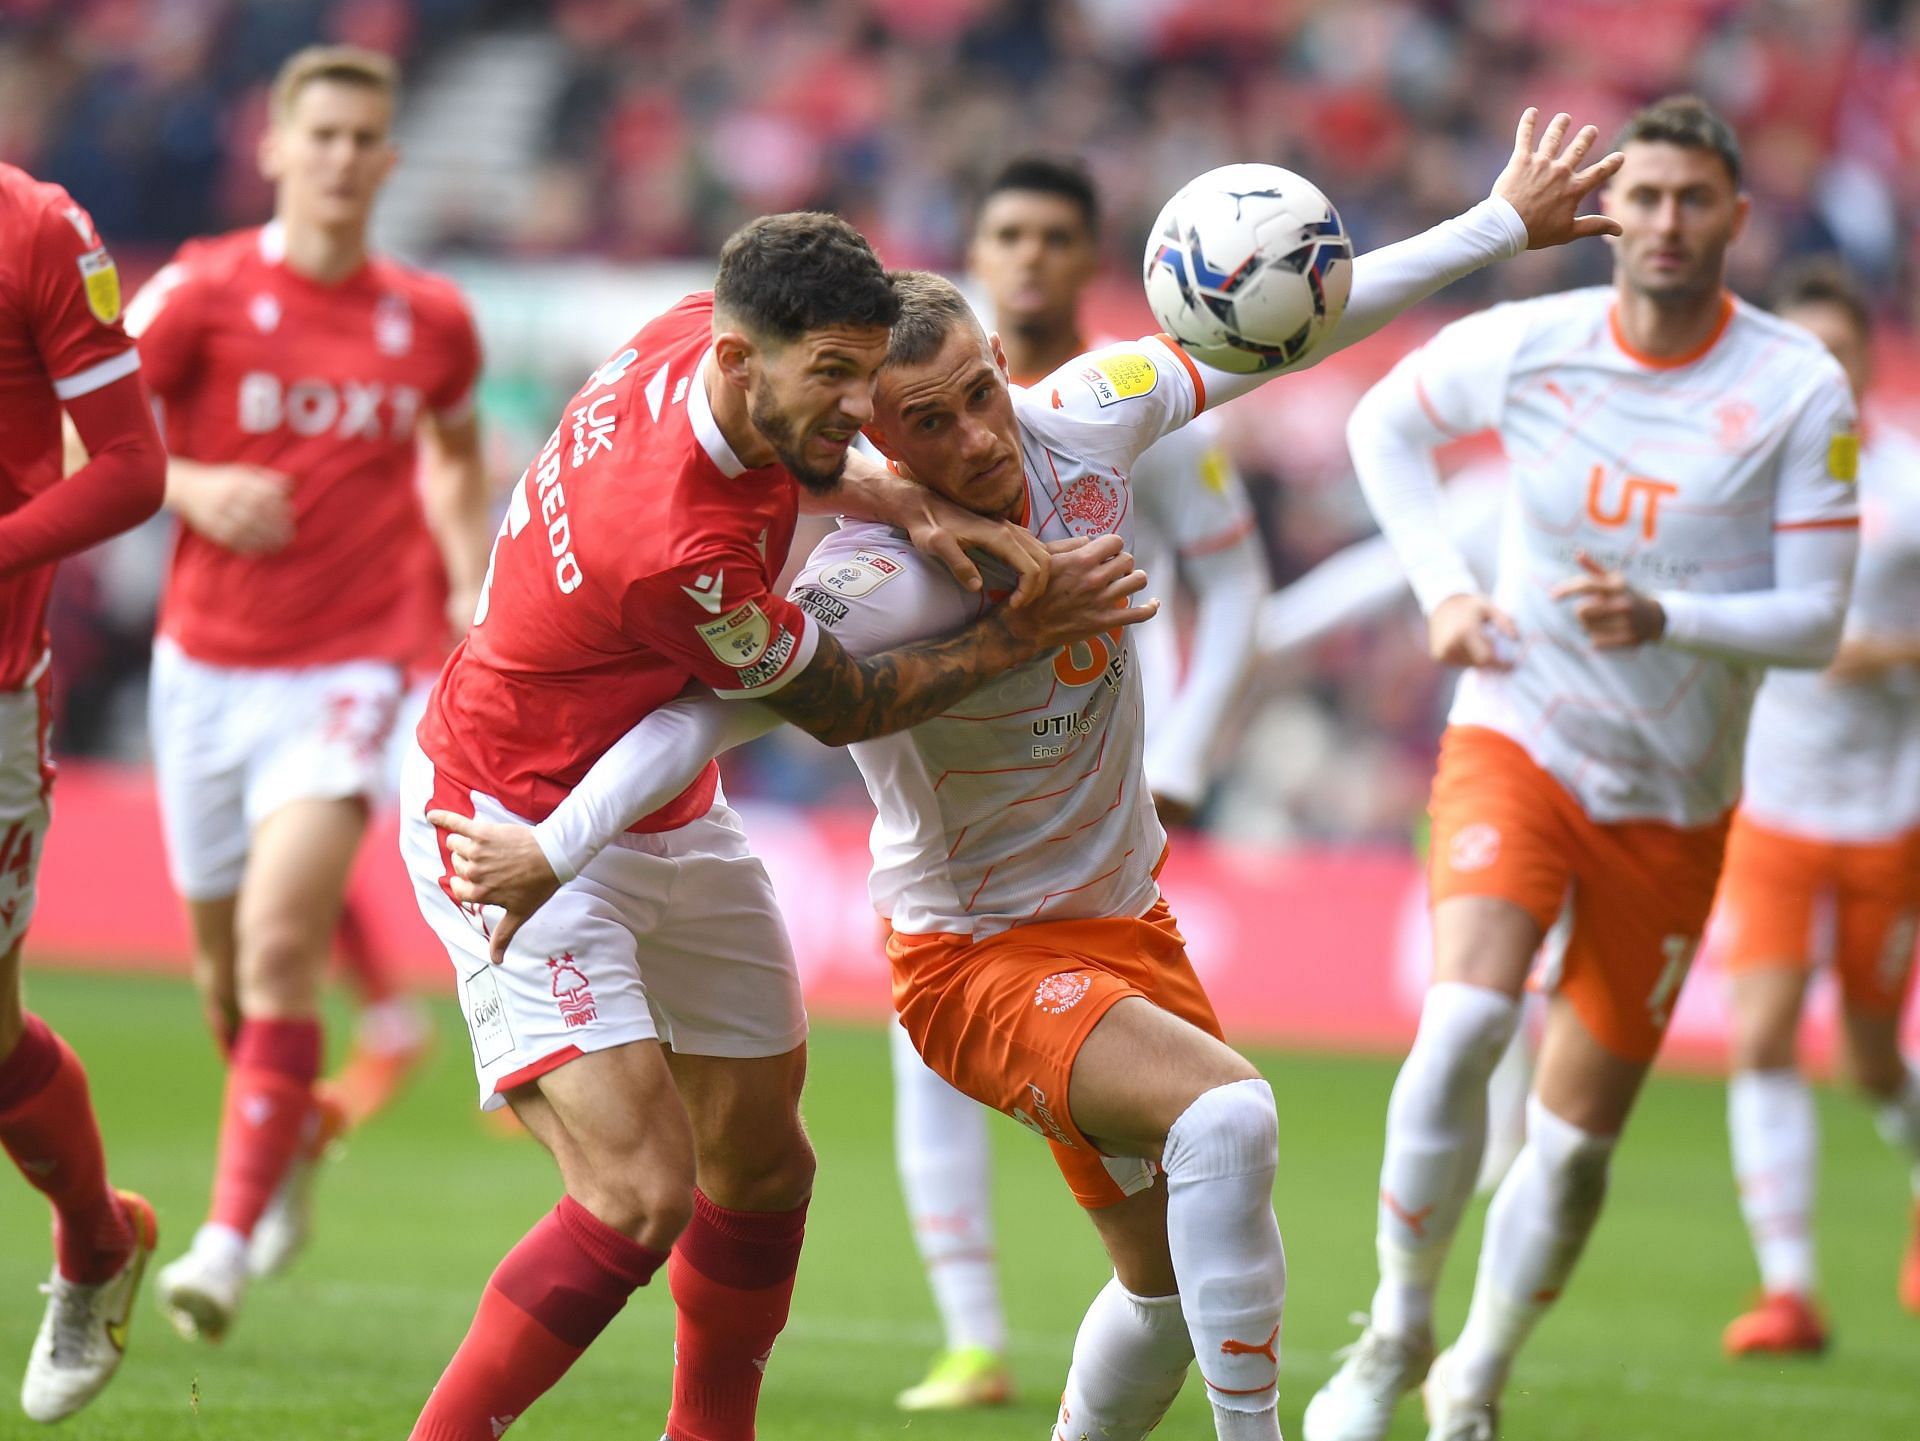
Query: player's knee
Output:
(1231,1129)
(777,1176)
(1463,1030)
(279,966)
(641,1198)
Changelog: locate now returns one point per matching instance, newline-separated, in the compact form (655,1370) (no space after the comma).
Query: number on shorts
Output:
(1679,952)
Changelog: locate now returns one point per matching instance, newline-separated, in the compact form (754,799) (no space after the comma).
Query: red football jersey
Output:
(255,364)
(638,554)
(60,338)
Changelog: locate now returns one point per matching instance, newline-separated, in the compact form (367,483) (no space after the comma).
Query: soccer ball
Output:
(1248,267)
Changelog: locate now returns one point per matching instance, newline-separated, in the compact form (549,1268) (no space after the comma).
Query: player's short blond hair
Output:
(930,306)
(341,64)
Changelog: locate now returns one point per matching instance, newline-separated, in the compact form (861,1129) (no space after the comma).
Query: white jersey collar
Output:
(705,428)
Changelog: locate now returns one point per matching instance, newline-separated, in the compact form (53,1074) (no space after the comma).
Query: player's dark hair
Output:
(1822,280)
(1686,121)
(1049,175)
(785,275)
(930,306)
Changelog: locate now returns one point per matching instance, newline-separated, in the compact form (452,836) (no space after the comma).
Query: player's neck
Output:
(323,254)
(730,412)
(1031,355)
(1664,329)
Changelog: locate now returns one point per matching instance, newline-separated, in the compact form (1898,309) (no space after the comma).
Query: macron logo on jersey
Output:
(705,592)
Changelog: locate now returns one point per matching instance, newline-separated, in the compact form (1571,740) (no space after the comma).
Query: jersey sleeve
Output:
(73,305)
(1460,375)
(714,612)
(1110,404)
(1820,459)
(870,590)
(1190,489)
(452,398)
(162,318)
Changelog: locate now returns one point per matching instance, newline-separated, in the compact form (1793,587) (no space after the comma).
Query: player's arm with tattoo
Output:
(840,698)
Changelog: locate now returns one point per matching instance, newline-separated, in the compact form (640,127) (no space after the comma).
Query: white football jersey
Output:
(1676,473)
(1025,802)
(1840,760)
(1190,503)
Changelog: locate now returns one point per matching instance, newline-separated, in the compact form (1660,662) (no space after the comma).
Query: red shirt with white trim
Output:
(256,364)
(638,555)
(60,338)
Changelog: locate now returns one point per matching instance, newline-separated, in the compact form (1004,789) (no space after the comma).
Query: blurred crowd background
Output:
(547,142)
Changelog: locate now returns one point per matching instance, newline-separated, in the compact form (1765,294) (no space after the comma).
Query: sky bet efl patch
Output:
(1114,378)
(102,280)
(1843,456)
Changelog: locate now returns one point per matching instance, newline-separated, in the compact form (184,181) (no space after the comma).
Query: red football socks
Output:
(550,1297)
(732,1278)
(48,1127)
(269,1097)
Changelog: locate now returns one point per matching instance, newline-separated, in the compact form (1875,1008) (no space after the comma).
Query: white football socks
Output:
(1899,1122)
(1129,1361)
(1436,1131)
(1536,1228)
(1220,1158)
(1775,1136)
(946,1173)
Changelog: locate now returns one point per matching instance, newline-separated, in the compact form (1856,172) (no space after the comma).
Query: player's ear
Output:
(872,431)
(734,353)
(999,354)
(1742,208)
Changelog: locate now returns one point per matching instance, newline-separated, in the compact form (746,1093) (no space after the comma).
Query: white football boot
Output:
(83,1335)
(1357,1403)
(201,1292)
(1451,1416)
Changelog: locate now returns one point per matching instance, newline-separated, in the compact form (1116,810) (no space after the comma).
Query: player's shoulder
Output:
(215,260)
(872,571)
(1779,348)
(429,293)
(1102,385)
(26,200)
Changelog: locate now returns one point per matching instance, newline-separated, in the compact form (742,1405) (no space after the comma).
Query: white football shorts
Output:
(232,745)
(26,783)
(673,936)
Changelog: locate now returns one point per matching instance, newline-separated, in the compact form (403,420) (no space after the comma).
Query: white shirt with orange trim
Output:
(1026,801)
(1839,760)
(1679,474)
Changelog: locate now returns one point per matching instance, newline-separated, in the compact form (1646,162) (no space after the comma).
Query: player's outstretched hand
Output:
(1614,615)
(496,864)
(1465,630)
(1089,591)
(1547,186)
(242,507)
(945,531)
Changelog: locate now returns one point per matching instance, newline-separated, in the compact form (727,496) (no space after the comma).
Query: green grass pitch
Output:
(415,1214)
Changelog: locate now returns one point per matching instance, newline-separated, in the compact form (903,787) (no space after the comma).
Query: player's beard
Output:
(789,449)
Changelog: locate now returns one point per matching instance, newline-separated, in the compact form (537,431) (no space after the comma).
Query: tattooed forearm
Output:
(839,699)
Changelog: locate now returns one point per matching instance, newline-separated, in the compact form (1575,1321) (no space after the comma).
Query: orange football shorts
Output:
(1863,897)
(1002,1018)
(1640,891)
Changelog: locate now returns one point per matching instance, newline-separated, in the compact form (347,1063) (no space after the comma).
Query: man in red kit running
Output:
(61,344)
(647,1025)
(297,375)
